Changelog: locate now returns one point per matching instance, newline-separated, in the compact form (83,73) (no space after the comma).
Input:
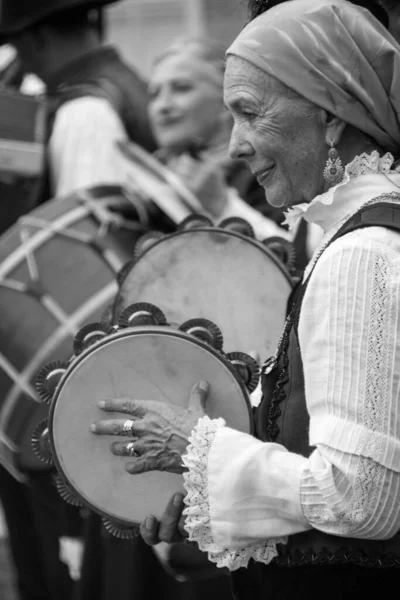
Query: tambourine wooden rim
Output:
(109,340)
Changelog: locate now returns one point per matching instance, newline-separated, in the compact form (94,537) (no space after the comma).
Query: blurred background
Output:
(141,29)
(144,28)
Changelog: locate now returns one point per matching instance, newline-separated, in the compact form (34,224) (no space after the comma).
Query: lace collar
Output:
(366,177)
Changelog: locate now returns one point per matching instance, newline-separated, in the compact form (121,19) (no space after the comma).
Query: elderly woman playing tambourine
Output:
(314,90)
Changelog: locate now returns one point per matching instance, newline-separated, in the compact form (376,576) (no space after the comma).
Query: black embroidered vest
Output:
(282,417)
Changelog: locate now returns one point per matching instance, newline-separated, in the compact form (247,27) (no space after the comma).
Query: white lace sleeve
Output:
(198,522)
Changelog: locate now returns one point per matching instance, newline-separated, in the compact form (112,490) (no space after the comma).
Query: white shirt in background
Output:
(82,151)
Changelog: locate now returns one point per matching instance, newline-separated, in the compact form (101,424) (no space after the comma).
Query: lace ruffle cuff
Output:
(198,520)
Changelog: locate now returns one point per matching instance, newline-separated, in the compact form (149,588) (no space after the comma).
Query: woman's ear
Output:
(334,128)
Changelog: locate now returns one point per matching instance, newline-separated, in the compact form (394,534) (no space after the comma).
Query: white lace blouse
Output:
(244,496)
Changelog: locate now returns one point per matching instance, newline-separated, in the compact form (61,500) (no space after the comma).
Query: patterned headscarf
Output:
(336,55)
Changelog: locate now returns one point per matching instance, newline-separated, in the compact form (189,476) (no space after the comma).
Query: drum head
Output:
(155,363)
(216,274)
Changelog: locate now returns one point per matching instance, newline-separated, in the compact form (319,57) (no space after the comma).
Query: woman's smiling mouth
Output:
(263,175)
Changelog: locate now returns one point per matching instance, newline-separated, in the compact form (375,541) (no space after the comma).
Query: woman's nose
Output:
(239,146)
(163,104)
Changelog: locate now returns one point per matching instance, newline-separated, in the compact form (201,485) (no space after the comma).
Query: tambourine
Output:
(139,357)
(221,273)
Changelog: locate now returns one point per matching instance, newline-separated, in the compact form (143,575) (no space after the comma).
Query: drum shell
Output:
(66,281)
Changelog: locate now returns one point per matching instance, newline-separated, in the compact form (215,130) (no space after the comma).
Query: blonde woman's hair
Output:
(207,49)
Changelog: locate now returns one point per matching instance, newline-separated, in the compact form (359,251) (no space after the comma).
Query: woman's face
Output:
(280,138)
(185,108)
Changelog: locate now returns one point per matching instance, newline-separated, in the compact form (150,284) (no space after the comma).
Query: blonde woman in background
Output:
(192,128)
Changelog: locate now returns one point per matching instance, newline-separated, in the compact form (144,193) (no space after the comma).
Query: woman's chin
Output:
(277,200)
(276,192)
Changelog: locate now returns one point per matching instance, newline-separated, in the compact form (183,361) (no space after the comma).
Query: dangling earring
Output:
(333,172)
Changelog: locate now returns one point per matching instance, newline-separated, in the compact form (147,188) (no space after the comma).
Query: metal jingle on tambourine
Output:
(195,221)
(283,249)
(141,313)
(247,369)
(48,378)
(204,330)
(145,242)
(124,533)
(66,493)
(238,225)
(88,335)
(41,443)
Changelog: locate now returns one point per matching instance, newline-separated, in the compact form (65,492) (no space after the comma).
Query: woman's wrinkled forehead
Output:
(244,80)
(239,70)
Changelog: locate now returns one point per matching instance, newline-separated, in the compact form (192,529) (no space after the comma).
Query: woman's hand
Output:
(205,179)
(170,528)
(158,432)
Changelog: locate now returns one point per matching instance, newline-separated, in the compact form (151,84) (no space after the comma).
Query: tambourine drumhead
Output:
(216,274)
(156,363)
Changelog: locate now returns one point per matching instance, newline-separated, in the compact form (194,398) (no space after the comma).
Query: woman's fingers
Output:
(149,530)
(124,427)
(123,405)
(168,528)
(143,464)
(131,448)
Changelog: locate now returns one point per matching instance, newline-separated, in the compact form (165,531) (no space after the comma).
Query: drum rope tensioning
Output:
(57,271)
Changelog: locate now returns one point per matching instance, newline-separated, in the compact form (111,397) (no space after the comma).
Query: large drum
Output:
(202,299)
(57,272)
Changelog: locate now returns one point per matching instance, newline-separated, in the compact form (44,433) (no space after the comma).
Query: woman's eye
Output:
(248,113)
(183,87)
(152,93)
